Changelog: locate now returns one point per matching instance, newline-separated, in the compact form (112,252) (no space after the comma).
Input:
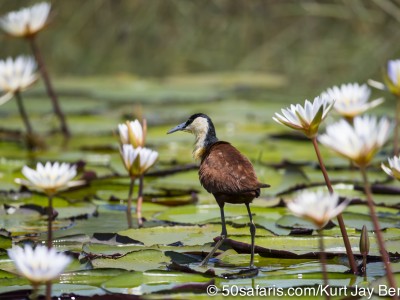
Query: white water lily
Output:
(5,98)
(318,207)
(49,178)
(394,167)
(392,77)
(358,142)
(137,160)
(307,118)
(26,21)
(38,265)
(352,99)
(17,75)
(132,132)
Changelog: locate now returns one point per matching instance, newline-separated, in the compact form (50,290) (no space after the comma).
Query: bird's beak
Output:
(177,128)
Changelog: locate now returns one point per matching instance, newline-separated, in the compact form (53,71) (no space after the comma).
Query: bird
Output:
(223,172)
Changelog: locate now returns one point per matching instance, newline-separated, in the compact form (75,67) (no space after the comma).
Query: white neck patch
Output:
(199,128)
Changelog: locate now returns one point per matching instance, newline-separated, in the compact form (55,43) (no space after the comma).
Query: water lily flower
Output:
(38,265)
(352,99)
(5,98)
(137,160)
(318,207)
(394,167)
(308,118)
(49,178)
(27,21)
(132,132)
(358,142)
(17,75)
(392,77)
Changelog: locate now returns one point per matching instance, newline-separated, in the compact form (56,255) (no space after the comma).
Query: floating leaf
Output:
(136,283)
(357,221)
(138,260)
(199,214)
(293,222)
(90,277)
(193,235)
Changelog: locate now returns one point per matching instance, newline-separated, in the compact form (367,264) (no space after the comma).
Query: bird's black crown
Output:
(201,115)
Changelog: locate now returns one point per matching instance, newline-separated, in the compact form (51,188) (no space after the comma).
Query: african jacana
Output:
(224,172)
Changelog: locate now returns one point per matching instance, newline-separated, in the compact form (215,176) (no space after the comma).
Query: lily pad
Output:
(293,222)
(97,249)
(24,221)
(137,260)
(90,277)
(200,214)
(357,221)
(193,235)
(185,235)
(136,283)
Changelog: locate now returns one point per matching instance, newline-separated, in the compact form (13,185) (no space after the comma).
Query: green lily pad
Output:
(71,242)
(121,249)
(28,221)
(186,235)
(307,244)
(200,214)
(263,222)
(292,222)
(138,260)
(5,242)
(93,277)
(292,280)
(357,221)
(136,283)
(193,235)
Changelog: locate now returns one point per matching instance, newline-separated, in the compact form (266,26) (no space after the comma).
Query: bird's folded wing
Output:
(225,170)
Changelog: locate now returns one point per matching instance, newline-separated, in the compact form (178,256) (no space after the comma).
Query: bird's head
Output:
(198,124)
(203,129)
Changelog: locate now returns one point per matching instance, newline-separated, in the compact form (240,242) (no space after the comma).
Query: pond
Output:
(181,219)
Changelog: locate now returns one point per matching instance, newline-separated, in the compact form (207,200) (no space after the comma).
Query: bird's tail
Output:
(263,185)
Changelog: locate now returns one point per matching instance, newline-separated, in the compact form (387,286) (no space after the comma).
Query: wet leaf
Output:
(357,221)
(138,260)
(200,214)
(293,222)
(151,281)
(90,277)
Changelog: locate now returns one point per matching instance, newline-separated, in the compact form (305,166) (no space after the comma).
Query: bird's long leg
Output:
(253,234)
(222,237)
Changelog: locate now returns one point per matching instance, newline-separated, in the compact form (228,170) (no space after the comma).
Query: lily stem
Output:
(34,295)
(364,268)
(49,87)
(377,229)
(48,290)
(49,223)
(23,113)
(396,129)
(49,239)
(129,204)
(342,225)
(140,202)
(322,257)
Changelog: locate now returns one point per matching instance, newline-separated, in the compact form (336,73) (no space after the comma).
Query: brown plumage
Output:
(228,175)
(224,172)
